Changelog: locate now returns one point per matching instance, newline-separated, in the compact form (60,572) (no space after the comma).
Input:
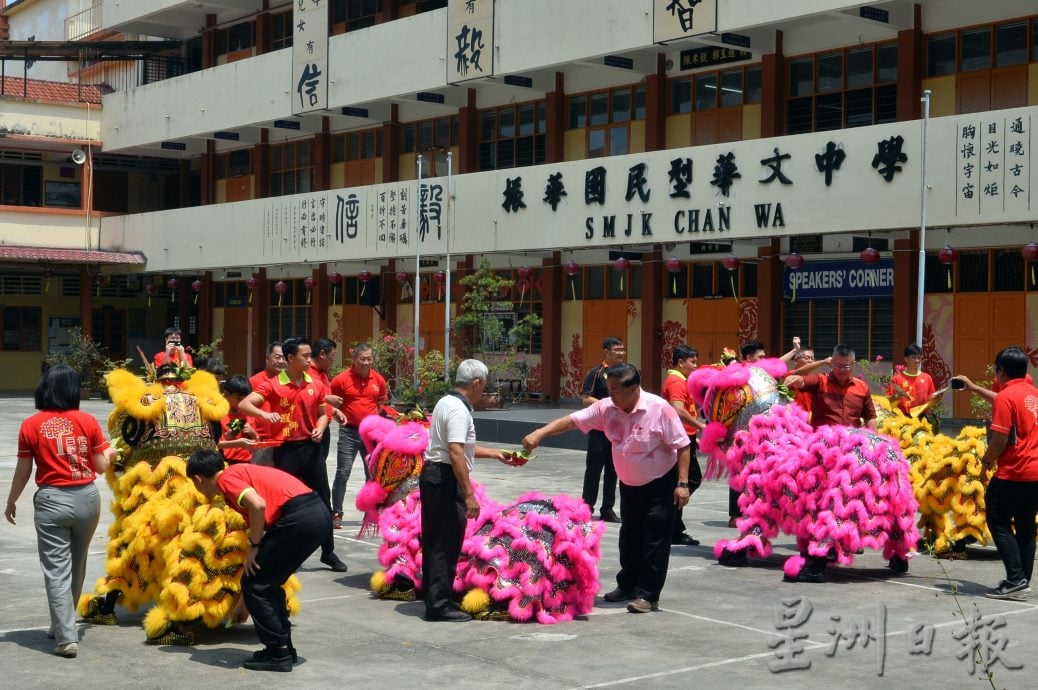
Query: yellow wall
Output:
(574,144)
(408,169)
(218,323)
(338,175)
(634,332)
(942,97)
(679,131)
(638,136)
(751,121)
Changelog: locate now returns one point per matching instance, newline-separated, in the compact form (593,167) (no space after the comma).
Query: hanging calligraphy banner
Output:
(677,19)
(470,40)
(309,86)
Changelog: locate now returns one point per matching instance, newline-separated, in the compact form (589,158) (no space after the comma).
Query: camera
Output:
(175,343)
(958,384)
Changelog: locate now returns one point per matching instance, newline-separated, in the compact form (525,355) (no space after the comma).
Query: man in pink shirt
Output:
(651,456)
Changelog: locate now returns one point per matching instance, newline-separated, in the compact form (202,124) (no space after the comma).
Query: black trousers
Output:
(296,534)
(443,530)
(599,460)
(645,534)
(695,478)
(733,503)
(303,460)
(1013,504)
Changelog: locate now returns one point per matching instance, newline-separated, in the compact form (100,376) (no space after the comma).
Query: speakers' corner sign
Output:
(470,40)
(309,87)
(676,19)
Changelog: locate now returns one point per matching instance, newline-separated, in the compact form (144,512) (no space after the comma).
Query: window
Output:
(292,168)
(984,47)
(233,164)
(709,90)
(1011,44)
(524,297)
(281,31)
(975,50)
(712,280)
(22,329)
(996,270)
(512,136)
(290,315)
(419,137)
(235,38)
(607,116)
(357,146)
(867,325)
(355,14)
(21,185)
(940,55)
(849,88)
(605,282)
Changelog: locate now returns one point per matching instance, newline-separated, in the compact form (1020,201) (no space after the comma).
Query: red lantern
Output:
(674,266)
(402,277)
(572,268)
(1030,253)
(525,274)
(47,275)
(172,285)
(793,262)
(196,285)
(251,284)
(731,262)
(869,256)
(99,280)
(335,278)
(439,278)
(947,256)
(280,287)
(364,276)
(621,265)
(149,290)
(308,283)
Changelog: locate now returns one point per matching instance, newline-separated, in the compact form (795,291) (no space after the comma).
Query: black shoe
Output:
(684,540)
(451,615)
(805,576)
(898,564)
(334,562)
(609,515)
(268,653)
(1009,590)
(619,595)
(733,559)
(277,659)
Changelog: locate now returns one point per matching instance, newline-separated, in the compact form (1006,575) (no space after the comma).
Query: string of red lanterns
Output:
(948,255)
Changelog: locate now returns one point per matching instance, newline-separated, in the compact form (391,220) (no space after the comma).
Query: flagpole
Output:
(417,274)
(447,304)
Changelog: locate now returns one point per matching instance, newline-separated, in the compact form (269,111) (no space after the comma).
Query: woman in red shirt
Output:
(69,450)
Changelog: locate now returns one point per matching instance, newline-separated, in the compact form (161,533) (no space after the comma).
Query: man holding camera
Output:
(174,352)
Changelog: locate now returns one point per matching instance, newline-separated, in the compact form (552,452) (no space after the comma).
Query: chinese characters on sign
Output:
(981,641)
(993,172)
(309,86)
(470,40)
(675,19)
(298,227)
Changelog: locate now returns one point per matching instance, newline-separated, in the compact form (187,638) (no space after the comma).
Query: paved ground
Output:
(715,628)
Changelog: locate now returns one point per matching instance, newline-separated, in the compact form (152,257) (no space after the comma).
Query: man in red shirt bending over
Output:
(1012,494)
(837,397)
(299,421)
(286,523)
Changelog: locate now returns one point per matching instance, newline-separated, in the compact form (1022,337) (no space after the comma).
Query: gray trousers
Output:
(349,445)
(66,517)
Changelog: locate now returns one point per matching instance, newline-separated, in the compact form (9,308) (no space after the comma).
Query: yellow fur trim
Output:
(378,583)
(206,389)
(475,601)
(132,395)
(156,622)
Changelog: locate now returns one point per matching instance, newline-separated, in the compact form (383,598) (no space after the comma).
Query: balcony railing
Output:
(82,24)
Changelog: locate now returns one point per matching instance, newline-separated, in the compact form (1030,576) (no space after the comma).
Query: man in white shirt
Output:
(447,496)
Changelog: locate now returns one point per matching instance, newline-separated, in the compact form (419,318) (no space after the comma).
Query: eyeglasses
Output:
(842,367)
(618,350)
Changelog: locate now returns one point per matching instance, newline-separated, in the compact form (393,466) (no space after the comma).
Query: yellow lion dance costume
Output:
(947,479)
(167,545)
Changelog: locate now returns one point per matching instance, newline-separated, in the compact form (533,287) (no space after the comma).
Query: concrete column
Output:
(769,297)
(555,121)
(910,65)
(652,321)
(468,144)
(906,282)
(656,106)
(773,92)
(552,281)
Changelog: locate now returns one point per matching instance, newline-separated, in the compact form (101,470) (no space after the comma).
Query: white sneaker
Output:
(68,650)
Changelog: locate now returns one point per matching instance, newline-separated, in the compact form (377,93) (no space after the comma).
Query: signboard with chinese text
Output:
(992,164)
(676,19)
(309,87)
(470,40)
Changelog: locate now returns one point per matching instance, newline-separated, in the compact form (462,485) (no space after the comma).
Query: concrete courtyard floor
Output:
(717,628)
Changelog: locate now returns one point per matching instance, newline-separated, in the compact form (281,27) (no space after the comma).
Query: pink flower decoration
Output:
(879,358)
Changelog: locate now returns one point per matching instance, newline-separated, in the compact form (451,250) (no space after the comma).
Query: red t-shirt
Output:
(299,406)
(320,375)
(360,396)
(233,454)
(1016,409)
(675,389)
(274,486)
(803,399)
(832,403)
(264,429)
(919,386)
(160,359)
(63,445)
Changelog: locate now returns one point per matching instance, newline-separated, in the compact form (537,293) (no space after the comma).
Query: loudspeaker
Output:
(79,156)
(372,296)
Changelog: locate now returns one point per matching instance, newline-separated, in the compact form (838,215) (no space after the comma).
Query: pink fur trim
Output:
(793,565)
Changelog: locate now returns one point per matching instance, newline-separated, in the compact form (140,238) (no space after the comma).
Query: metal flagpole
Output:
(447,307)
(921,292)
(417,272)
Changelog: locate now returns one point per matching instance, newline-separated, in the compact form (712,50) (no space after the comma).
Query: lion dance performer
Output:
(535,559)
(836,489)
(167,545)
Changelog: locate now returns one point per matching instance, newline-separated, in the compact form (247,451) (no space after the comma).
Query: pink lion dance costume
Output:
(836,489)
(534,559)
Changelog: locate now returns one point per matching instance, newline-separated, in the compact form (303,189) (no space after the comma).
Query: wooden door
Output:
(356,326)
(984,325)
(109,329)
(602,318)
(431,326)
(239,188)
(713,324)
(236,341)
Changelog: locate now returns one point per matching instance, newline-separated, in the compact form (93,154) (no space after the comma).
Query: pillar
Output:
(259,316)
(468,144)
(910,65)
(555,121)
(391,146)
(323,157)
(86,304)
(769,297)
(320,298)
(906,284)
(652,321)
(773,92)
(656,106)
(552,281)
